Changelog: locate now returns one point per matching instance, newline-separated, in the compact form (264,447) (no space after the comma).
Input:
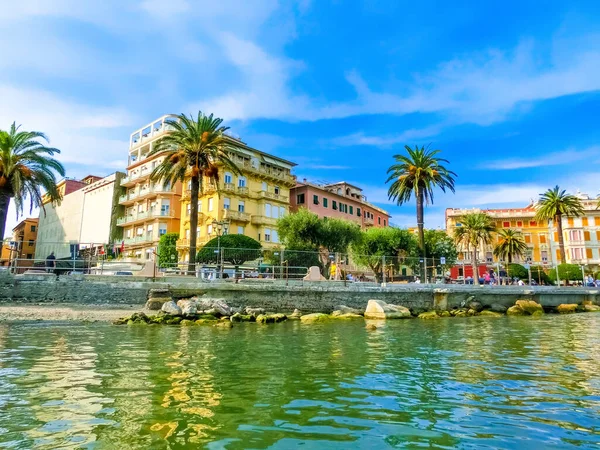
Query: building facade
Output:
(338,200)
(22,246)
(151,209)
(85,217)
(248,203)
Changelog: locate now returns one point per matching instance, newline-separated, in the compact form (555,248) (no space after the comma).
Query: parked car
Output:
(123,272)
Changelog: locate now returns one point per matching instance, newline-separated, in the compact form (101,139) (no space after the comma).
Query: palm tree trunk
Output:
(4,202)
(561,239)
(195,188)
(420,226)
(474,265)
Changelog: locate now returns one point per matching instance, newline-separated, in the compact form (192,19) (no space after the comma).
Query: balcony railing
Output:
(273,196)
(277,174)
(139,239)
(158,189)
(143,216)
(263,220)
(236,215)
(368,221)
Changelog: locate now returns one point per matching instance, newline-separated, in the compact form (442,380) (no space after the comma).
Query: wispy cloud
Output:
(550,159)
(360,139)
(325,167)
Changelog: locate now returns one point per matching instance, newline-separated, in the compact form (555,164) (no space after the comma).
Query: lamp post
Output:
(220,228)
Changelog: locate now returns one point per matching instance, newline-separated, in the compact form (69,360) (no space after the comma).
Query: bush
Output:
(167,249)
(236,248)
(517,270)
(566,272)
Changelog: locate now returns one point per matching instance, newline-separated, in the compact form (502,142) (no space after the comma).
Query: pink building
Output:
(340,200)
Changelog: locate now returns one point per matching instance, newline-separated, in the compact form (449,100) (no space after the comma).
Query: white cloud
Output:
(568,156)
(385,140)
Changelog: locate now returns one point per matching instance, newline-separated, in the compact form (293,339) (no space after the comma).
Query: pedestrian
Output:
(50,263)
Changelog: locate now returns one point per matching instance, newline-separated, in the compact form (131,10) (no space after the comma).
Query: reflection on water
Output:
(472,383)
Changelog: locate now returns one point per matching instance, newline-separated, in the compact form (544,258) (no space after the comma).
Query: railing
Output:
(368,221)
(143,216)
(139,240)
(242,190)
(269,172)
(263,220)
(273,196)
(229,187)
(158,189)
(236,215)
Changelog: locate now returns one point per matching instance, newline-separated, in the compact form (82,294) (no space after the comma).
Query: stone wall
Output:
(273,296)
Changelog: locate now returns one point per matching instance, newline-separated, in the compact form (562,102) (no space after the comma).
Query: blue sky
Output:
(509,93)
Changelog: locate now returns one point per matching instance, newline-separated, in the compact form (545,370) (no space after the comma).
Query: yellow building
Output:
(151,209)
(536,234)
(249,203)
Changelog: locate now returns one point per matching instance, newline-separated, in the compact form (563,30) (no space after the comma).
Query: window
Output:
(325,202)
(162,229)
(379,220)
(384,223)
(506,224)
(300,199)
(281,211)
(31,243)
(315,199)
(533,223)
(588,253)
(519,224)
(528,239)
(210,204)
(241,206)
(577,253)
(358,212)
(334,205)
(199,206)
(226,203)
(597,221)
(542,238)
(267,235)
(544,256)
(584,221)
(240,230)
(187,234)
(209,229)
(242,182)
(351,209)
(586,236)
(268,210)
(275,212)
(265,186)
(29,256)
(274,236)
(488,257)
(575,235)
(228,177)
(188,210)
(277,190)
(33,228)
(570,221)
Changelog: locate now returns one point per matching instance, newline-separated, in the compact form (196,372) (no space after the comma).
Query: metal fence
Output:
(279,263)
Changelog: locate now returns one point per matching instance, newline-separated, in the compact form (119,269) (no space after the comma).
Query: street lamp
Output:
(220,228)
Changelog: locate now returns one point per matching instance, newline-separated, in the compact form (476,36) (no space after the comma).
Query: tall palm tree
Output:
(475,229)
(511,243)
(418,172)
(26,169)
(553,205)
(194,148)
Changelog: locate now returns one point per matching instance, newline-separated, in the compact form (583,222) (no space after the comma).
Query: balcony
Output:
(142,216)
(228,187)
(143,239)
(276,175)
(142,193)
(273,196)
(242,191)
(152,131)
(368,222)
(237,216)
(263,220)
(131,179)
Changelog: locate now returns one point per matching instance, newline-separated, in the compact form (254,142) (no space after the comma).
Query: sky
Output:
(508,91)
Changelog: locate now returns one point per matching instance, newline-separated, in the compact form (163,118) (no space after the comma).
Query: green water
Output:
(451,383)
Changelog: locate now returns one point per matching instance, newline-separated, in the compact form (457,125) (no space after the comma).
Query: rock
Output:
(567,308)
(206,321)
(296,314)
(444,313)
(171,308)
(529,306)
(154,304)
(489,313)
(221,307)
(497,307)
(211,312)
(347,316)
(347,310)
(371,327)
(270,318)
(475,305)
(213,306)
(186,323)
(378,309)
(515,310)
(313,318)
(237,317)
(188,307)
(140,317)
(428,315)
(461,313)
(591,308)
(224,324)
(255,311)
(173,320)
(471,312)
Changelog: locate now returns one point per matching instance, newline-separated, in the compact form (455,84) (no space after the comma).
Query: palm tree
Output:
(193,149)
(511,243)
(475,229)
(26,169)
(418,173)
(553,205)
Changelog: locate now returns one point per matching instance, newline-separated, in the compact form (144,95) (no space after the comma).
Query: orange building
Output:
(22,247)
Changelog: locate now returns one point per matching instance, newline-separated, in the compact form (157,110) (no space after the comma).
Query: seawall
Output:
(274,295)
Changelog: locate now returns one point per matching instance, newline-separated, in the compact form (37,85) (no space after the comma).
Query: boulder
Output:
(237,317)
(567,308)
(489,313)
(225,324)
(530,307)
(591,308)
(428,315)
(255,311)
(214,305)
(314,318)
(343,309)
(515,310)
(346,316)
(471,312)
(497,307)
(171,308)
(296,314)
(140,317)
(206,321)
(444,313)
(475,305)
(154,304)
(270,318)
(188,307)
(378,309)
(461,313)
(186,323)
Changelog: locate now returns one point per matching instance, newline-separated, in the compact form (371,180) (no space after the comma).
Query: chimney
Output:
(304,180)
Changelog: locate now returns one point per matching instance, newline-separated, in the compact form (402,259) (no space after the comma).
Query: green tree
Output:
(566,272)
(517,270)
(394,244)
(538,273)
(418,172)
(438,244)
(167,249)
(475,229)
(510,244)
(302,229)
(553,205)
(297,259)
(194,148)
(26,169)
(236,248)
(337,235)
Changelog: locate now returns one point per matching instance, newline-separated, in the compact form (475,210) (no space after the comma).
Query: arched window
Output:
(228,177)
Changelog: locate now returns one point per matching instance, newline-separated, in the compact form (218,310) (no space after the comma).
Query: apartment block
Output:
(20,251)
(151,209)
(338,200)
(248,203)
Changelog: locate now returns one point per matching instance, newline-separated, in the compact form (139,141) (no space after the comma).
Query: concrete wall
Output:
(98,289)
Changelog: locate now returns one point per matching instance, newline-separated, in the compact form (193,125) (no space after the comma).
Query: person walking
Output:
(50,263)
